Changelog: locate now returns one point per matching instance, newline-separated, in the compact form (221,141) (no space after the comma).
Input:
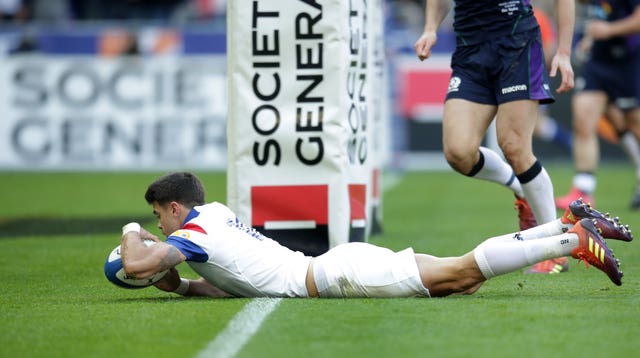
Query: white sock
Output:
(585,182)
(552,228)
(498,171)
(539,194)
(499,257)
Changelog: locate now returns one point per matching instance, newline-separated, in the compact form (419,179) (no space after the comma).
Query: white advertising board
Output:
(300,156)
(91,113)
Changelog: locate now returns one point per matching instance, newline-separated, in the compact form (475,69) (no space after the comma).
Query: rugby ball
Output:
(115,272)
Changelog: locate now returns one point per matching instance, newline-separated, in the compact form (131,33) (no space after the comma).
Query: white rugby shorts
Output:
(359,269)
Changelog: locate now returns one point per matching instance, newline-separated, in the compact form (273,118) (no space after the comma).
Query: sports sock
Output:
(552,228)
(499,257)
(492,168)
(585,182)
(538,190)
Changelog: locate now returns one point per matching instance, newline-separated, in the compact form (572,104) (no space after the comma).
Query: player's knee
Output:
(584,131)
(460,159)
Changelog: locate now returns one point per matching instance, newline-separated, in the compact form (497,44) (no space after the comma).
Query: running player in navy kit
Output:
(610,76)
(498,71)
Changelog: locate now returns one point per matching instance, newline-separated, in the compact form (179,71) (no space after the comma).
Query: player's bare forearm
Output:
(562,59)
(566,10)
(201,287)
(602,30)
(131,248)
(169,258)
(141,261)
(435,12)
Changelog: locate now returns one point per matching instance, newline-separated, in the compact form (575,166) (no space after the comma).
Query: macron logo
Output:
(515,88)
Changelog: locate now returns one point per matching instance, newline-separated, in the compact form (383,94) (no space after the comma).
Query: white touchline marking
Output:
(240,329)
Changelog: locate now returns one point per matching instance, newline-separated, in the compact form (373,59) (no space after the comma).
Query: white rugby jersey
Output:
(237,258)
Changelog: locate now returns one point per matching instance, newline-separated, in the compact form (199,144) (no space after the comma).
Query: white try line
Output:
(240,329)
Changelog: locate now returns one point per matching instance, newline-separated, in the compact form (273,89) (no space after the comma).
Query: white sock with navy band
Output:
(538,190)
(585,182)
(497,257)
(492,168)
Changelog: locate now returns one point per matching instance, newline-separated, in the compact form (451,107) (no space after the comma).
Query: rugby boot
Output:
(593,250)
(610,228)
(525,215)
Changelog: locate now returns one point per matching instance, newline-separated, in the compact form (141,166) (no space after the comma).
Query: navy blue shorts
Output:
(505,69)
(619,80)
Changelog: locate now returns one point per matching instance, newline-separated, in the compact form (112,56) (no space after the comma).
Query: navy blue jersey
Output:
(615,48)
(477,21)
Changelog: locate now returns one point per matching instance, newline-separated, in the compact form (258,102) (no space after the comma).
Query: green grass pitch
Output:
(57,228)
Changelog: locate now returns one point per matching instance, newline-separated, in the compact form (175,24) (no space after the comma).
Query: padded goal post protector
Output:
(306,87)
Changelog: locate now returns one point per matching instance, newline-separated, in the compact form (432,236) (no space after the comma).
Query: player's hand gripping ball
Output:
(115,272)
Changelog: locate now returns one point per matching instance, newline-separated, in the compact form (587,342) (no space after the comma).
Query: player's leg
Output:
(444,276)
(514,125)
(465,274)
(468,111)
(464,126)
(613,128)
(507,253)
(609,227)
(585,228)
(358,269)
(521,85)
(588,107)
(582,242)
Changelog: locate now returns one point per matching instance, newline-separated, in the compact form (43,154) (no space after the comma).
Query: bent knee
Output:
(461,159)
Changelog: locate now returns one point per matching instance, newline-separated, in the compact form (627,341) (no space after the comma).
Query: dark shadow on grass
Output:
(172,298)
(48,226)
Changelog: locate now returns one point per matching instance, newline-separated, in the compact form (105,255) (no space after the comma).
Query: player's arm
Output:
(172,282)
(601,30)
(140,260)
(566,10)
(435,12)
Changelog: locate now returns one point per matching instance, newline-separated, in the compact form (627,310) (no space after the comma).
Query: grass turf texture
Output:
(56,230)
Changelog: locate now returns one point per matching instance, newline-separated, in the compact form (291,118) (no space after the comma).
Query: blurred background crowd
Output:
(22,11)
(105,28)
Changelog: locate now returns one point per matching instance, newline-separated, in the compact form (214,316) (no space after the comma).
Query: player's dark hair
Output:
(182,187)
